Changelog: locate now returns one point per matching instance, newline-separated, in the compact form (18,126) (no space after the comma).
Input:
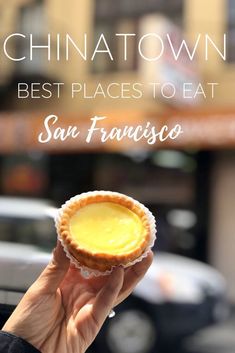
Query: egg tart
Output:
(103,229)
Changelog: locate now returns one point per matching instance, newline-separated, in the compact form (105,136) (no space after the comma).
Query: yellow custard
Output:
(106,227)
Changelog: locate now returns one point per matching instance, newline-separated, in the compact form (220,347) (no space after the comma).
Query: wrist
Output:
(15,343)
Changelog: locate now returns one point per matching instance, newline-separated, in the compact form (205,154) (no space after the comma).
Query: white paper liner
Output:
(86,271)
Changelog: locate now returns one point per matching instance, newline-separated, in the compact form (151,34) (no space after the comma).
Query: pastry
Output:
(105,229)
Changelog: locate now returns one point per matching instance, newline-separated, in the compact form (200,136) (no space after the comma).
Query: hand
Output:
(62,312)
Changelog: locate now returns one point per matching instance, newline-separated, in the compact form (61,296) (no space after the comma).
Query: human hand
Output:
(62,312)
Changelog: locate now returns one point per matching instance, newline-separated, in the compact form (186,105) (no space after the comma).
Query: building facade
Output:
(70,33)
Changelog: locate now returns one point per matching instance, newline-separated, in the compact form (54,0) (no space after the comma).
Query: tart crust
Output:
(101,262)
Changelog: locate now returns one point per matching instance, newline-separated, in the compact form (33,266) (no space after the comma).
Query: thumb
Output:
(51,278)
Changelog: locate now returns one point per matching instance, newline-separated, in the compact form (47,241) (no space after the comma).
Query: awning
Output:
(202,129)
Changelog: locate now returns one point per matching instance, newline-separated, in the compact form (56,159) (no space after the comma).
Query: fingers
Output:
(53,275)
(133,275)
(105,300)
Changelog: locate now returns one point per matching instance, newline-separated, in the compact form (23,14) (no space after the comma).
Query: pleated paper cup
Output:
(89,272)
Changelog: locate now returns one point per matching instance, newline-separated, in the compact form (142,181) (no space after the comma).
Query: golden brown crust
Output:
(101,261)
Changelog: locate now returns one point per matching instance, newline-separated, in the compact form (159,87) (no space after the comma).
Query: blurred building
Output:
(183,18)
(210,121)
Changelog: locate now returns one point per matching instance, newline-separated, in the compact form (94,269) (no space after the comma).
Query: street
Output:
(216,339)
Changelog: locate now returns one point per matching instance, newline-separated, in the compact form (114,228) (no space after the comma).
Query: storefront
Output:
(186,182)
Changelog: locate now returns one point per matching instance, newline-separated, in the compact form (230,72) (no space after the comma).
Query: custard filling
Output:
(107,228)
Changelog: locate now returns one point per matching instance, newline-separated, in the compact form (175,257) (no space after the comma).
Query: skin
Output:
(63,312)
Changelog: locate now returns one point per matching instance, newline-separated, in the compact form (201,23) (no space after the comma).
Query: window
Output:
(123,17)
(131,8)
(231,31)
(102,63)
(31,21)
